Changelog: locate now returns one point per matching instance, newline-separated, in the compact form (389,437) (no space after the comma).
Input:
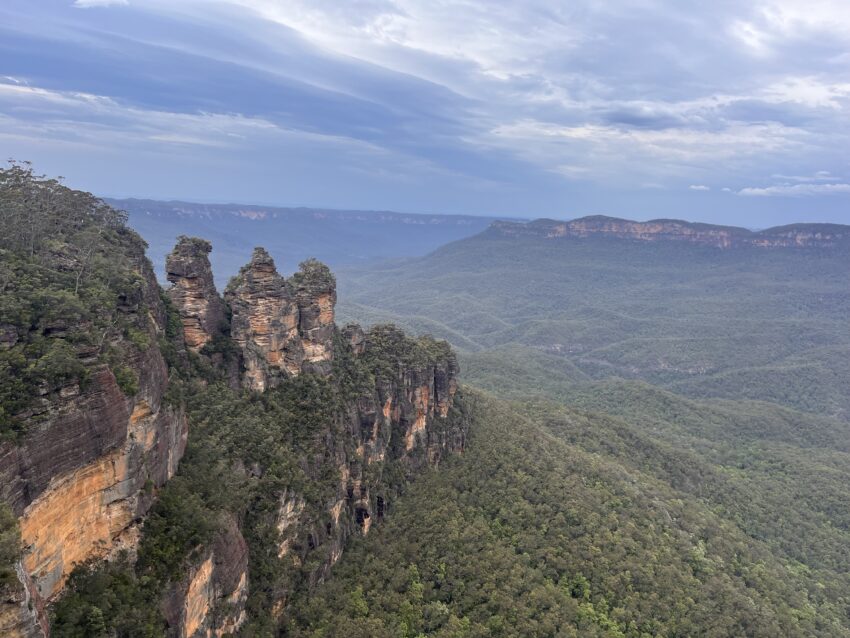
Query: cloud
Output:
(631,157)
(88,4)
(83,118)
(819,176)
(796,190)
(545,97)
(699,187)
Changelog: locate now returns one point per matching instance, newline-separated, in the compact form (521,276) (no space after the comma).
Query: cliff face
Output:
(402,422)
(193,292)
(87,467)
(282,328)
(800,235)
(85,470)
(398,418)
(210,601)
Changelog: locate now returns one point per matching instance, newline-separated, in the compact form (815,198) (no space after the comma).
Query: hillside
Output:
(742,323)
(575,531)
(291,235)
(714,375)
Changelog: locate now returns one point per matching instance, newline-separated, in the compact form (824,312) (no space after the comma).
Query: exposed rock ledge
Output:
(793,236)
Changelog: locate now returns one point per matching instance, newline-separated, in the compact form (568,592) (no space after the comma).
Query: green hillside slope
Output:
(567,530)
(743,323)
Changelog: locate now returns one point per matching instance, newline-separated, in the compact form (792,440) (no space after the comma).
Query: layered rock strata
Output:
(282,327)
(85,471)
(794,236)
(193,291)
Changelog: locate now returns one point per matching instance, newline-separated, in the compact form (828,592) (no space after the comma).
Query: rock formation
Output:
(283,328)
(315,293)
(798,235)
(356,338)
(86,470)
(264,323)
(219,582)
(193,293)
(83,474)
(404,419)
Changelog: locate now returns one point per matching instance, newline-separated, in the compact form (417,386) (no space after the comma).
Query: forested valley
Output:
(617,438)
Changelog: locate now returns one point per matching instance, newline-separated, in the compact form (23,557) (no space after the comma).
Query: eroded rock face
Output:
(219,583)
(193,292)
(315,292)
(83,474)
(283,328)
(19,617)
(799,235)
(264,323)
(404,418)
(355,337)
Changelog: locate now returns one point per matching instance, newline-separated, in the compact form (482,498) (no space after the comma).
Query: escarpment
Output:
(93,436)
(302,435)
(375,407)
(400,422)
(600,226)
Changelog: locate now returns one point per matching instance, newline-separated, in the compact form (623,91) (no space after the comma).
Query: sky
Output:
(726,112)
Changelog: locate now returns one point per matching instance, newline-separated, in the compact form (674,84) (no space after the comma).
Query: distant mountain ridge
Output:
(291,235)
(793,235)
(257,212)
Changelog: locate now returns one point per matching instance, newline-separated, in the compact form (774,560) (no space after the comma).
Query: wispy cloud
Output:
(796,190)
(819,176)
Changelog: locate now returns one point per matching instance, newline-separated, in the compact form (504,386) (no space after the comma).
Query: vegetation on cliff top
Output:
(71,291)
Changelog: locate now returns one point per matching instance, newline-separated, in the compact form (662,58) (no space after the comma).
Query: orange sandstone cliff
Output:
(86,469)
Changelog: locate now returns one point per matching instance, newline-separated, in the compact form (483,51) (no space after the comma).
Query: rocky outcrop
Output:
(355,337)
(408,405)
(84,472)
(315,293)
(798,235)
(405,421)
(210,601)
(193,292)
(87,469)
(282,328)
(265,323)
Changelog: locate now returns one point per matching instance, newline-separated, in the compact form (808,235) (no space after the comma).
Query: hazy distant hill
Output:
(337,237)
(763,321)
